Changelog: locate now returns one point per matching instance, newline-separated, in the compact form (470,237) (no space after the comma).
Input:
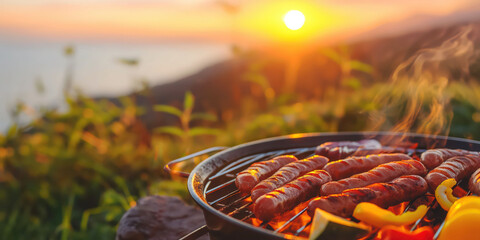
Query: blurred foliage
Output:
(71,174)
(129,61)
(185,132)
(64,163)
(342,57)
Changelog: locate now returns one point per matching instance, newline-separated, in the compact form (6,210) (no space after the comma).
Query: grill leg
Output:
(196,234)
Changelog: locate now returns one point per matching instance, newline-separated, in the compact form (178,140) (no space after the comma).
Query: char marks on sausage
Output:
(457,167)
(288,173)
(405,188)
(382,173)
(353,165)
(474,183)
(248,178)
(343,149)
(290,195)
(432,158)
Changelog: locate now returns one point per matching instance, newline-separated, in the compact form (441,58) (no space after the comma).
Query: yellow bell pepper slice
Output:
(464,203)
(462,220)
(379,217)
(444,194)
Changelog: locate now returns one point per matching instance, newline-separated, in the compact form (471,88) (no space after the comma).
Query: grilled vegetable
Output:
(326,226)
(462,220)
(379,217)
(444,194)
(399,233)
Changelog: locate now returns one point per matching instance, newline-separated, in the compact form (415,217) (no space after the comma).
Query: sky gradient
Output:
(205,20)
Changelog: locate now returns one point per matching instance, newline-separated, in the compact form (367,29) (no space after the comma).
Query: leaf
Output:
(354,83)
(86,215)
(204,116)
(129,61)
(12,131)
(39,86)
(189,101)
(168,109)
(113,198)
(360,66)
(170,130)
(203,131)
(69,50)
(258,79)
(113,214)
(332,54)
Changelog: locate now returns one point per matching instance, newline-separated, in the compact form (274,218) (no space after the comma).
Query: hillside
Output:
(220,87)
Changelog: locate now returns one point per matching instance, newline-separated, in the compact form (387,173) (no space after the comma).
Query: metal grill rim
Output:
(246,161)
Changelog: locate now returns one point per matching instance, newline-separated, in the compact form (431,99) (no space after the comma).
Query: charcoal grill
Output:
(228,212)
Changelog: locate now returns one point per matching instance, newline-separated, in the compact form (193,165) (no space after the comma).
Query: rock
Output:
(160,217)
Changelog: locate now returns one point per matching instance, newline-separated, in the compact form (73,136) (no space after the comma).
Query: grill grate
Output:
(222,194)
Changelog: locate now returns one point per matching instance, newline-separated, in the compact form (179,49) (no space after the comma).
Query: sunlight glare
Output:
(294,19)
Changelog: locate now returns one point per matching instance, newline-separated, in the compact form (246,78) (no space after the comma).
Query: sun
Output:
(294,19)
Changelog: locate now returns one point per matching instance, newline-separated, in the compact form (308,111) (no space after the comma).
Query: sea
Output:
(35,72)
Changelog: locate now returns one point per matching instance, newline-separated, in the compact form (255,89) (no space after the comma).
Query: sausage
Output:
(405,188)
(343,149)
(248,178)
(288,173)
(366,151)
(457,167)
(474,183)
(353,165)
(290,195)
(383,173)
(432,158)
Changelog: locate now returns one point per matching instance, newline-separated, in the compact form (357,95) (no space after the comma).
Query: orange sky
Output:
(203,19)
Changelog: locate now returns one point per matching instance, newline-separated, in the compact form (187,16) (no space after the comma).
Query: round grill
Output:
(228,212)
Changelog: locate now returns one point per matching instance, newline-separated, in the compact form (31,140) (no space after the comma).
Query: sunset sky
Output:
(148,20)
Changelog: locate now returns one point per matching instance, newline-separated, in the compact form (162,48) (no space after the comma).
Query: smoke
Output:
(416,98)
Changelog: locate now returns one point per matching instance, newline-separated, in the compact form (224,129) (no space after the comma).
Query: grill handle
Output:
(169,166)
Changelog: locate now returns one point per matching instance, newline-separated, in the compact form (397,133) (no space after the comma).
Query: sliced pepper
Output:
(462,220)
(326,226)
(444,194)
(379,217)
(399,233)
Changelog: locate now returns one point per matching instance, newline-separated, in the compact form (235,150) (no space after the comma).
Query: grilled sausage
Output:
(432,158)
(353,165)
(402,189)
(366,151)
(290,195)
(383,173)
(474,183)
(288,173)
(343,149)
(457,167)
(248,178)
